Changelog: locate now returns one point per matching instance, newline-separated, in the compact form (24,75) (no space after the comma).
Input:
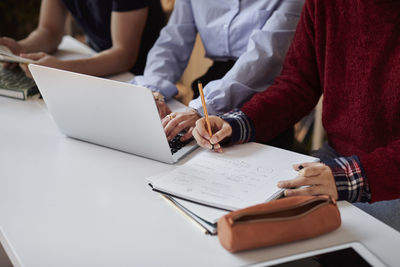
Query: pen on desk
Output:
(203,102)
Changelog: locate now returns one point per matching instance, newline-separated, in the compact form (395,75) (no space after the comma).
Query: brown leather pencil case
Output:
(278,221)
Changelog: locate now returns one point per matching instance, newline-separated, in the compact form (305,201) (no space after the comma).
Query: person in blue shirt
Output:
(246,39)
(121,31)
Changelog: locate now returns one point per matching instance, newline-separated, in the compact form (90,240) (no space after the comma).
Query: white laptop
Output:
(109,113)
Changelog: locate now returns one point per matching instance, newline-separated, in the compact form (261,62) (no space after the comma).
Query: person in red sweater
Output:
(349,51)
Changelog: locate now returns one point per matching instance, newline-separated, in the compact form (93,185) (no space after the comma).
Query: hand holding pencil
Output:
(203,132)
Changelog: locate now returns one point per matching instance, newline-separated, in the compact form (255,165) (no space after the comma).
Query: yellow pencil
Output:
(203,102)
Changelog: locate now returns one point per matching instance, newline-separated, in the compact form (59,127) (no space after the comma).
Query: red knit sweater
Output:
(349,50)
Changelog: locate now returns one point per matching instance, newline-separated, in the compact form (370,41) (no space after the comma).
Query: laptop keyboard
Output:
(176,144)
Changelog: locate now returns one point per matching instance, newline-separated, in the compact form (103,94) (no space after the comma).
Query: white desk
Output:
(68,203)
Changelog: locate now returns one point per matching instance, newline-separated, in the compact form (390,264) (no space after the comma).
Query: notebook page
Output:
(242,176)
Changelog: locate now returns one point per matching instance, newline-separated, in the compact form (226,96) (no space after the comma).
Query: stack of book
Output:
(13,82)
(209,184)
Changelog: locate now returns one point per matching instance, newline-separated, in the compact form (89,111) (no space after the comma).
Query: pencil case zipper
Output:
(286,213)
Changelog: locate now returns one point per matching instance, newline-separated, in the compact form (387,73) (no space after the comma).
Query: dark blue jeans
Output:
(385,211)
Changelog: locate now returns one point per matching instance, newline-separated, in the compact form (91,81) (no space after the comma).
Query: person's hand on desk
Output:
(43,59)
(219,127)
(15,48)
(176,122)
(313,179)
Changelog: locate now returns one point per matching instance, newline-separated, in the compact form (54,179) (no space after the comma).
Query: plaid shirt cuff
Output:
(351,182)
(242,126)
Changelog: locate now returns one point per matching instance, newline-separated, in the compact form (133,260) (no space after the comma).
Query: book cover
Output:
(14,83)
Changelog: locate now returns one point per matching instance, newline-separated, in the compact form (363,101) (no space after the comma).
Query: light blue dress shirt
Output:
(256,33)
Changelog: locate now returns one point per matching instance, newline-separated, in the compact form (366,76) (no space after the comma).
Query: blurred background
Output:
(18,18)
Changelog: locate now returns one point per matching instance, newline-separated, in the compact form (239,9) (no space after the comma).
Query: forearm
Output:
(223,95)
(41,40)
(50,30)
(108,62)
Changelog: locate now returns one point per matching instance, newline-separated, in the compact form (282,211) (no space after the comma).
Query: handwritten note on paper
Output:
(244,175)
